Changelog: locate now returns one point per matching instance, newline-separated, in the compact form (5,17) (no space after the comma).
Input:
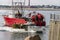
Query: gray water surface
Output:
(10,36)
(4,35)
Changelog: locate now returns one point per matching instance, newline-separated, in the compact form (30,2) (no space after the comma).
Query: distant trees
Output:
(35,6)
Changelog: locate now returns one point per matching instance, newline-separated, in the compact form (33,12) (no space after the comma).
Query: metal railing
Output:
(55,17)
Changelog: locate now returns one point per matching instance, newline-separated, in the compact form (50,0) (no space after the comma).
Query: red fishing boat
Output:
(18,19)
(11,21)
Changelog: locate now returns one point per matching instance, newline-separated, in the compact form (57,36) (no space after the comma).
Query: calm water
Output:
(8,35)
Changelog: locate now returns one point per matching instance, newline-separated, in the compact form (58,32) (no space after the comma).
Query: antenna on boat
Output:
(18,6)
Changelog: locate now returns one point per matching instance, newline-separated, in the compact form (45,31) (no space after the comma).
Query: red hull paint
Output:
(11,21)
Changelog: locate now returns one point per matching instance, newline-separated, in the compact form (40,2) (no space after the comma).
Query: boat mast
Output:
(12,2)
(23,8)
(12,6)
(29,3)
(24,2)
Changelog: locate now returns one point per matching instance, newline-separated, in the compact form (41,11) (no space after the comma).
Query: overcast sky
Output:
(33,2)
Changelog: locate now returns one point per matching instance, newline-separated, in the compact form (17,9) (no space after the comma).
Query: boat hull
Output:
(11,21)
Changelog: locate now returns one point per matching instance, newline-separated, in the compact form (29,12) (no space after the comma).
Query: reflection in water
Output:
(19,36)
(4,35)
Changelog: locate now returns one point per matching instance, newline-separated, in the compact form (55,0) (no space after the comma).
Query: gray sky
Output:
(33,2)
